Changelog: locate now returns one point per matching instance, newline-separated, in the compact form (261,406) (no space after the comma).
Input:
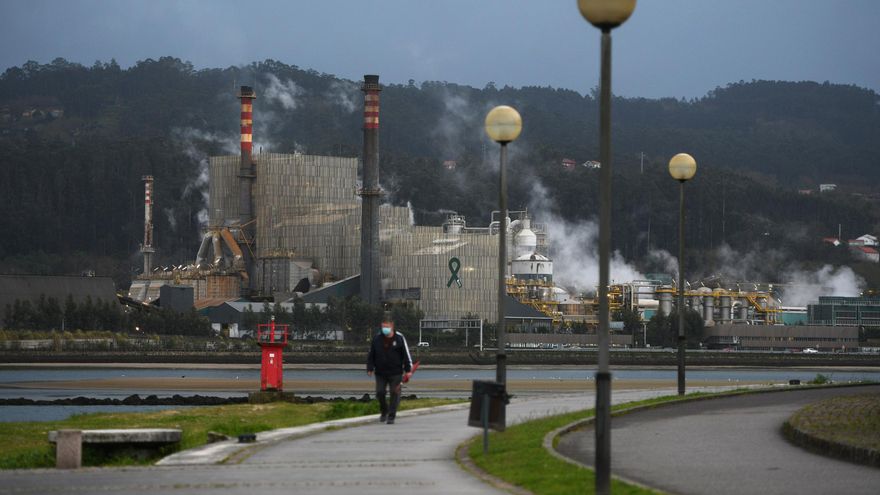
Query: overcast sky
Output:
(680,48)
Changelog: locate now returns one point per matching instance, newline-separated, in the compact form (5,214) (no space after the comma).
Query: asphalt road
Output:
(723,446)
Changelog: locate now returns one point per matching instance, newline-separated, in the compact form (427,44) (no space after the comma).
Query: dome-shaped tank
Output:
(532,266)
(560,294)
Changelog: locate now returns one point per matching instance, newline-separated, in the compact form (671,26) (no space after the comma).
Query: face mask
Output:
(386,331)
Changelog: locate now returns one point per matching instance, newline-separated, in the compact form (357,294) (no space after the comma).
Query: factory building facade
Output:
(306,211)
(845,311)
(308,222)
(281,224)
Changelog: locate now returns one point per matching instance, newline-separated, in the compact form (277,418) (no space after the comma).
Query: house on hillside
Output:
(834,241)
(865,240)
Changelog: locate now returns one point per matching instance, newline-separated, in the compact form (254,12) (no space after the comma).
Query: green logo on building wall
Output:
(454,266)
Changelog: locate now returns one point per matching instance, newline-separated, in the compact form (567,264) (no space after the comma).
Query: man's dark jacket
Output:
(393,361)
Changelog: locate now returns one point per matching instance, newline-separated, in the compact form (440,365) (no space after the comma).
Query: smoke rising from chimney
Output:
(573,247)
(194,143)
(800,286)
(806,287)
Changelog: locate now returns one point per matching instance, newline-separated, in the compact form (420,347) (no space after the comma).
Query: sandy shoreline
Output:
(182,384)
(348,366)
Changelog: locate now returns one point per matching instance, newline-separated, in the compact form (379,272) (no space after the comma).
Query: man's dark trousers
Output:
(392,381)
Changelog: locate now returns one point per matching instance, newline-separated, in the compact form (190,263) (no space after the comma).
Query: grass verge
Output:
(518,456)
(843,427)
(26,444)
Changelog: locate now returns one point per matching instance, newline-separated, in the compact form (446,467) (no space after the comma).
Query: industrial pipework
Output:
(246,175)
(370,193)
(147,247)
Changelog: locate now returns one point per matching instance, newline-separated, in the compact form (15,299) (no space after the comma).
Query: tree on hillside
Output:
(73,194)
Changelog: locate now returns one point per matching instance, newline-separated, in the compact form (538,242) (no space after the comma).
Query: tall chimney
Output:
(147,247)
(246,176)
(370,193)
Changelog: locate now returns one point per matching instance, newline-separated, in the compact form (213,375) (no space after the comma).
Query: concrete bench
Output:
(68,443)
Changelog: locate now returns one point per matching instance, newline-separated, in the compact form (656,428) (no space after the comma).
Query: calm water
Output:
(47,413)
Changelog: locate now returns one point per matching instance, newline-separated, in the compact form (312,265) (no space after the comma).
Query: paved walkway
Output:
(723,446)
(415,455)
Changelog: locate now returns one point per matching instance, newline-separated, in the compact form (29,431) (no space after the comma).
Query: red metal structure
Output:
(272,339)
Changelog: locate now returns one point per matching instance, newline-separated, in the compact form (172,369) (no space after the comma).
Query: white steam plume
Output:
(805,287)
(800,287)
(172,221)
(412,214)
(344,94)
(456,124)
(277,96)
(194,142)
(286,93)
(757,265)
(574,248)
(664,261)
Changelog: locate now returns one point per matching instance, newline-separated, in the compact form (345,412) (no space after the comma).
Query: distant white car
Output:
(810,350)
(423,344)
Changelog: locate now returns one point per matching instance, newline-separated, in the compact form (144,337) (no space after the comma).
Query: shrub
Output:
(819,380)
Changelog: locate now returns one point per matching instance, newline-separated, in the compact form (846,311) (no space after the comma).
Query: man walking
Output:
(389,359)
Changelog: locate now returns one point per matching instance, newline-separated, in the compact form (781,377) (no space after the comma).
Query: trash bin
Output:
(498,400)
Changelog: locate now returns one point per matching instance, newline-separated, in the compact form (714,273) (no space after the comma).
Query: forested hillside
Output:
(75,141)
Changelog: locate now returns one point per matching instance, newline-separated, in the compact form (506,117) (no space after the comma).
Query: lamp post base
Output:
(682,344)
(501,368)
(603,433)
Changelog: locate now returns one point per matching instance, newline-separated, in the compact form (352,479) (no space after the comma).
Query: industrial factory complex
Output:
(293,225)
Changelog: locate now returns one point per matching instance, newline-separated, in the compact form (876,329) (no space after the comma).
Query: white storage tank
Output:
(525,242)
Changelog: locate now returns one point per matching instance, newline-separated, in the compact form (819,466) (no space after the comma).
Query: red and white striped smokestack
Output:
(370,194)
(247,96)
(147,247)
(247,174)
(371,102)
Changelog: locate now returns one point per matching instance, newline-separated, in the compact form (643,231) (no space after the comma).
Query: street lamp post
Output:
(682,168)
(605,15)
(503,125)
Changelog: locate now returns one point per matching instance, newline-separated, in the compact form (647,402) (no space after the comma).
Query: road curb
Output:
(233,451)
(830,448)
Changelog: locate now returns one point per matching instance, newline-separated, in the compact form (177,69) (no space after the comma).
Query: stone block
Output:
(68,449)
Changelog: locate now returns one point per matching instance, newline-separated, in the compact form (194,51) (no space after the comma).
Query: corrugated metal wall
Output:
(420,256)
(223,190)
(307,209)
